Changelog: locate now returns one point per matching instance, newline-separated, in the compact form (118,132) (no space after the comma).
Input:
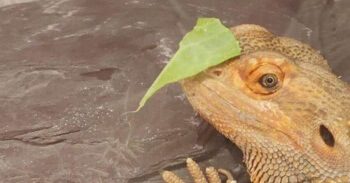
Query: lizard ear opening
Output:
(327,136)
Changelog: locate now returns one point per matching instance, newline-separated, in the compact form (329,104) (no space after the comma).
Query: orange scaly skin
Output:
(296,131)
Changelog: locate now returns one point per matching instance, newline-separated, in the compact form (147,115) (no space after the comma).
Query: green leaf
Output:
(208,44)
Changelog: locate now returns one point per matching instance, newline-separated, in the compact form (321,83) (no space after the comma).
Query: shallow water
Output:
(72,70)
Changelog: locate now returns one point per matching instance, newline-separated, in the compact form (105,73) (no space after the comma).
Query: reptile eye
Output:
(265,79)
(327,136)
(268,80)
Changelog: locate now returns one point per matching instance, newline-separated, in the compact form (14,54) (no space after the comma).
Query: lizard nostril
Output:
(217,73)
(327,136)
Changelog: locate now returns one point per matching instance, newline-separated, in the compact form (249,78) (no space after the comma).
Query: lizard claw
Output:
(211,174)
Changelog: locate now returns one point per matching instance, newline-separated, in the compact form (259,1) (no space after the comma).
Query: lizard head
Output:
(281,104)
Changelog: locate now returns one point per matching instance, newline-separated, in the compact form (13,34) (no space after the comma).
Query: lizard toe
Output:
(211,175)
(170,177)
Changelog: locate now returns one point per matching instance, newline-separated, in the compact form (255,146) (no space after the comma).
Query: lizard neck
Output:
(269,163)
(272,165)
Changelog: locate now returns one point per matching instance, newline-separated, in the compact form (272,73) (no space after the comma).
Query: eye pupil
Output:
(327,136)
(268,80)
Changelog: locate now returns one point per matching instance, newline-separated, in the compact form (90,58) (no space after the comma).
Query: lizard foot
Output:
(211,174)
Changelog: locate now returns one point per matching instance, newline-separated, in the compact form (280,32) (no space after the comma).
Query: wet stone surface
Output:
(72,70)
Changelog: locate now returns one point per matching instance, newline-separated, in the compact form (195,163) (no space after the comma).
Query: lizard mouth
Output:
(214,104)
(230,111)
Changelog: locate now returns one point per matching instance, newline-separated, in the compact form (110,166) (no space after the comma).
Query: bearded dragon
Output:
(281,105)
